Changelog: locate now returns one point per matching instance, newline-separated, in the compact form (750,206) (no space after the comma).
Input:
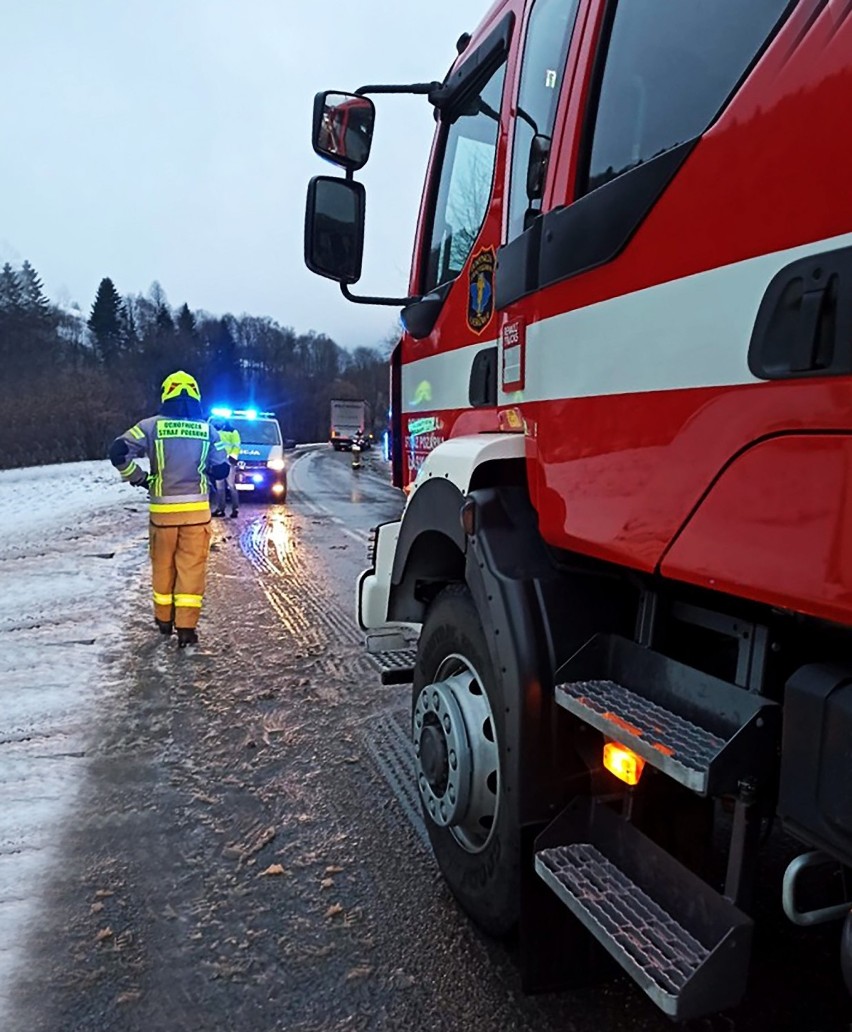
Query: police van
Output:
(261,469)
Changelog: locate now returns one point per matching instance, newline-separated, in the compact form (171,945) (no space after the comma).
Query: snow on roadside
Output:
(72,550)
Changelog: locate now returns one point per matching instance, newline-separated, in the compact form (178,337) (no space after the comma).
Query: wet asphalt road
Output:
(246,854)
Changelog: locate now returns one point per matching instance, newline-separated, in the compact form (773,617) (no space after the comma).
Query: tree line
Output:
(72,381)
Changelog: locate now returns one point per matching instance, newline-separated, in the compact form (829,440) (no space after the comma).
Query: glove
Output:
(232,460)
(146,483)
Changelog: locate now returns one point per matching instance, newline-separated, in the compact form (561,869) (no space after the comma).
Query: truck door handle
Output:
(805,347)
(804,323)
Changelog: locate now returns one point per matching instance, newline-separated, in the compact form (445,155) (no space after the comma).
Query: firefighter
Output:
(182,451)
(230,437)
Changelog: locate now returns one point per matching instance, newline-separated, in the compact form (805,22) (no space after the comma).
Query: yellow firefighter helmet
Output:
(179,383)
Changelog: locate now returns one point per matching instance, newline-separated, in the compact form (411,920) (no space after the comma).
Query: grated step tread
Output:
(624,918)
(401,660)
(669,734)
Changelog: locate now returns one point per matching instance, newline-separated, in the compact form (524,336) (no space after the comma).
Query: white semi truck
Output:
(348,419)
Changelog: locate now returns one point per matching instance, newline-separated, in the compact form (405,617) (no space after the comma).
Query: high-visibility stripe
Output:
(136,432)
(188,601)
(172,498)
(128,470)
(205,448)
(179,506)
(686,333)
(162,600)
(161,462)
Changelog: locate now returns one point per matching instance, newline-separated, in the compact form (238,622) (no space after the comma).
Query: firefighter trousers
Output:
(178,570)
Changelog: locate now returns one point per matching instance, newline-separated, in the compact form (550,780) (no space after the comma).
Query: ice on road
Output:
(72,549)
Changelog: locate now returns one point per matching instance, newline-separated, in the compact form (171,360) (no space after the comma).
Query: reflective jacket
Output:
(232,442)
(182,453)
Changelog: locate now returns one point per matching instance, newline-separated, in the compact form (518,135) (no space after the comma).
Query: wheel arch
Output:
(432,546)
(430,551)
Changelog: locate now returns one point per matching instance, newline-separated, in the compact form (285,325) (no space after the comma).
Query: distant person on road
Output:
(230,437)
(182,451)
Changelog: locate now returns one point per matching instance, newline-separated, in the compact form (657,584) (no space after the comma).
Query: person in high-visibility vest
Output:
(230,436)
(182,450)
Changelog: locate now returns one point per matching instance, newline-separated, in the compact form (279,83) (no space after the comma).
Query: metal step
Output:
(395,667)
(685,945)
(701,731)
(682,749)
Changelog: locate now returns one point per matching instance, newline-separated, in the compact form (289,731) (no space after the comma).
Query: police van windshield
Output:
(257,431)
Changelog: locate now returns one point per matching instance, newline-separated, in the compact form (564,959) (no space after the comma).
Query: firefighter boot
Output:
(165,626)
(187,636)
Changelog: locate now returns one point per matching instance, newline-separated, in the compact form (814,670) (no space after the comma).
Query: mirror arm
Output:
(393,302)
(420,88)
(528,119)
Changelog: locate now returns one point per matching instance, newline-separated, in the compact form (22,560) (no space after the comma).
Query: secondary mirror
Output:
(537,166)
(343,128)
(334,228)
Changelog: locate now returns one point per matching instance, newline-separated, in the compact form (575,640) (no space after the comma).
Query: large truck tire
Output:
(460,742)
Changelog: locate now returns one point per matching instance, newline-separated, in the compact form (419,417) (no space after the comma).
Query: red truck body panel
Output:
(643,419)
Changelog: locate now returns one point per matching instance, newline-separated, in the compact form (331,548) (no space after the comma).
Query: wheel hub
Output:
(457,757)
(434,757)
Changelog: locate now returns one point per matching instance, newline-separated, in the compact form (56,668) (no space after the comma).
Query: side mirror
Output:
(334,228)
(537,166)
(343,128)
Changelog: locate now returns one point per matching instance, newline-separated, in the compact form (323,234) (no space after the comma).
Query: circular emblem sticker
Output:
(480,302)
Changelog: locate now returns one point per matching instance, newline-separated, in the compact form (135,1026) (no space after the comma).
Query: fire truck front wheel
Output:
(459,744)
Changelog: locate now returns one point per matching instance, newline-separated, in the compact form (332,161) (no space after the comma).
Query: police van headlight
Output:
(276,464)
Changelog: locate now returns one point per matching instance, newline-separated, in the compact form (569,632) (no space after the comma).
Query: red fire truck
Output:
(622,414)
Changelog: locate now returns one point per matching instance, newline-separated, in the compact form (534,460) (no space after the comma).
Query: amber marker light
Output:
(510,421)
(623,763)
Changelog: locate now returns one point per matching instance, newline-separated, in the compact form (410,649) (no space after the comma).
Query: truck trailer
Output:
(348,421)
(622,416)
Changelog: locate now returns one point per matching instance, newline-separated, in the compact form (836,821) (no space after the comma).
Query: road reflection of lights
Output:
(279,535)
(256,535)
(269,543)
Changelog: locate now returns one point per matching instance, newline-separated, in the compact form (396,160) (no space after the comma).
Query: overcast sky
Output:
(170,140)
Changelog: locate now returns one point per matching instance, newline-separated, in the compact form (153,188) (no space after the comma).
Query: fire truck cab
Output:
(622,414)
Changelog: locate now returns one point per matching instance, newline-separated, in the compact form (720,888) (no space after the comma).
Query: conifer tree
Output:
(185,321)
(11,295)
(165,323)
(32,290)
(106,320)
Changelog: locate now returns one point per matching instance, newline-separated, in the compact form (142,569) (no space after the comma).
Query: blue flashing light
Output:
(225,413)
(251,413)
(257,478)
